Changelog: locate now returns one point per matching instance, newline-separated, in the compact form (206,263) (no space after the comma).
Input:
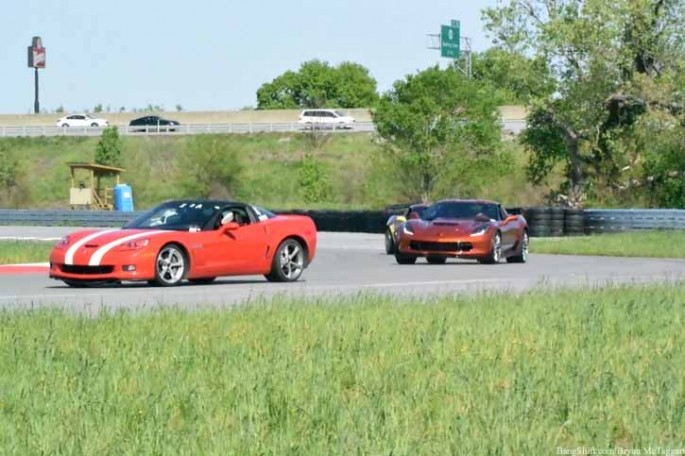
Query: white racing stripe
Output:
(69,256)
(99,253)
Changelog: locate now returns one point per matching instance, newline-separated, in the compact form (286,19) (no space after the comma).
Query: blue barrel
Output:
(123,198)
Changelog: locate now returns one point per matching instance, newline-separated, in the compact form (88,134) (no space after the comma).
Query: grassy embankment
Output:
(653,244)
(648,243)
(492,374)
(158,167)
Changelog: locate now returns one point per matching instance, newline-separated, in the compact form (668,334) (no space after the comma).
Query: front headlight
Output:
(62,243)
(134,244)
(480,230)
(407,230)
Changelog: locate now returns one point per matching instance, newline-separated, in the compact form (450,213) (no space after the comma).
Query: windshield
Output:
(262,214)
(177,216)
(459,210)
(341,113)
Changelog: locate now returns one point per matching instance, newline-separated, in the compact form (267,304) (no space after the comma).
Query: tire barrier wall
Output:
(542,221)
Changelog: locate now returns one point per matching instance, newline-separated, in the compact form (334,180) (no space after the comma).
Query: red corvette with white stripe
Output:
(197,240)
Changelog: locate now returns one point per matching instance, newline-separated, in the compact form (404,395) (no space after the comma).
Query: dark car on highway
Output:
(153,123)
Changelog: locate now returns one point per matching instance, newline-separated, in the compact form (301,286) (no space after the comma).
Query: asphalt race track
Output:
(346,264)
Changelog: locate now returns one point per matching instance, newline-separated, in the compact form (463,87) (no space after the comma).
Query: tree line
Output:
(603,83)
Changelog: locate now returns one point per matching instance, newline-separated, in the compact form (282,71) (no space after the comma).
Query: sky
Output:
(209,55)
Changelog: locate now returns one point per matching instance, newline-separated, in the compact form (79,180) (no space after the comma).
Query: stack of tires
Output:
(538,221)
(556,221)
(574,222)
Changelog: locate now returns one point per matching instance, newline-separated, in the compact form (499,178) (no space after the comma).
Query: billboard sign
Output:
(36,53)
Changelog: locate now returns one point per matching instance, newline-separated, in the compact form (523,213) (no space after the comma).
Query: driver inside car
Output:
(227,217)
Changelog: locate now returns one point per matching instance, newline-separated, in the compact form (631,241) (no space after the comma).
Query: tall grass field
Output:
(369,375)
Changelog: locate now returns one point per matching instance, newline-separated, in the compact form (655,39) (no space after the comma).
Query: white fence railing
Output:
(187,129)
(514,126)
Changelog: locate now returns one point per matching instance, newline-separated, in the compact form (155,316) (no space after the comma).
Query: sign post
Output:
(36,59)
(453,46)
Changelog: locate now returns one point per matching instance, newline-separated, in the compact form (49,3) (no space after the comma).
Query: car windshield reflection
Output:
(182,216)
(459,210)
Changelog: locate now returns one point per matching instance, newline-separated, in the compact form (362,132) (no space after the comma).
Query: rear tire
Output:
(522,257)
(436,259)
(401,258)
(288,262)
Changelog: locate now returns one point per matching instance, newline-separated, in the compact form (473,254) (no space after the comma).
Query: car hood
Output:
(90,246)
(453,227)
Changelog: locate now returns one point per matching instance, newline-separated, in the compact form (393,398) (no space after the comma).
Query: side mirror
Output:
(511,218)
(230,226)
(414,216)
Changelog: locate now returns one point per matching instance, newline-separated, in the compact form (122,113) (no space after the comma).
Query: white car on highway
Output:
(81,120)
(325,118)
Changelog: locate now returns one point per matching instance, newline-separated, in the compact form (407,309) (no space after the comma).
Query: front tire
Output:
(436,259)
(401,258)
(389,243)
(288,262)
(495,254)
(171,266)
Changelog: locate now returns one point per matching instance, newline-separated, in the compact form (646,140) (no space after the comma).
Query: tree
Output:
(318,85)
(515,78)
(313,179)
(435,124)
(108,148)
(209,167)
(608,66)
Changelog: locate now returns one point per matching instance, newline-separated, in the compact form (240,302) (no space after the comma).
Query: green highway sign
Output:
(449,40)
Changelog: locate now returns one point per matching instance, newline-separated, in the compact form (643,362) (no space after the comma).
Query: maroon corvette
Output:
(474,229)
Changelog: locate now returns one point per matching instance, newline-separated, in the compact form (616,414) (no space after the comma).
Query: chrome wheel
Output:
(170,265)
(495,254)
(496,248)
(291,260)
(522,257)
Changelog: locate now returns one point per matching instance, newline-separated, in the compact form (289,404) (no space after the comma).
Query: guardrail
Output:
(613,220)
(509,126)
(187,129)
(543,221)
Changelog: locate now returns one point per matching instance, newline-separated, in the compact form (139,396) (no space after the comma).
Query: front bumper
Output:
(457,247)
(129,266)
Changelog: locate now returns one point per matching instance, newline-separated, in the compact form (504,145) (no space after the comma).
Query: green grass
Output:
(12,252)
(358,176)
(652,244)
(492,374)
